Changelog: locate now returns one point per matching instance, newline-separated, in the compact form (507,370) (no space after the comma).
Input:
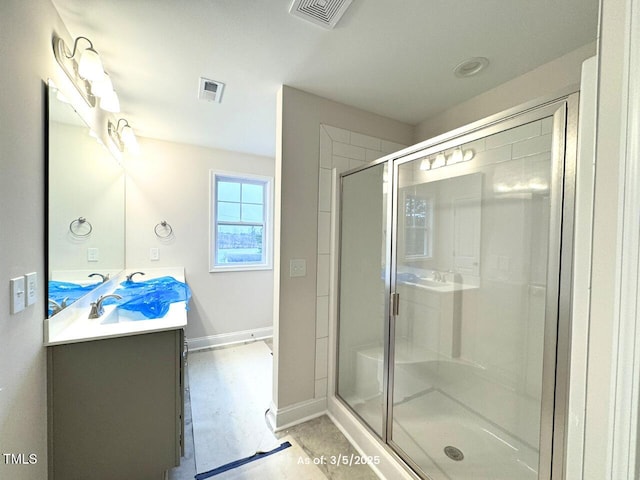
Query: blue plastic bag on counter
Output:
(152,298)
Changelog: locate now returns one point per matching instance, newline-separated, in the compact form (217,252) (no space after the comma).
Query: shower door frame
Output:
(563,108)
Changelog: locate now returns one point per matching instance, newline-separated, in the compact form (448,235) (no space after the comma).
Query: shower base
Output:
(450,403)
(425,426)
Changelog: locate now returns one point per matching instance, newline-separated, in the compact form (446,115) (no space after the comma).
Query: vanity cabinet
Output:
(116,407)
(431,318)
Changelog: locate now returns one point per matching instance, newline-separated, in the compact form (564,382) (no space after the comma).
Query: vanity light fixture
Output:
(89,65)
(123,136)
(86,73)
(457,155)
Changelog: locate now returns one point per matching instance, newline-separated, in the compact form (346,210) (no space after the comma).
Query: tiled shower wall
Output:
(343,150)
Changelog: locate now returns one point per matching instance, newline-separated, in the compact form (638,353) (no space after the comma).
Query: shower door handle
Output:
(395,304)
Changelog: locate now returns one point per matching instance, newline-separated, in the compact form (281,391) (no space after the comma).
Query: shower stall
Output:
(453,296)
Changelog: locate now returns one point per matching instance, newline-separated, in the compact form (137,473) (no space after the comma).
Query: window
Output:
(240,222)
(418,214)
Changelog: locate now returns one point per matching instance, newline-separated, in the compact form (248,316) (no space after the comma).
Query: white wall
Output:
(341,150)
(297,167)
(84,181)
(170,181)
(605,271)
(27,60)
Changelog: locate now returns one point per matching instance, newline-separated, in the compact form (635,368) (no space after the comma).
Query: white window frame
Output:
(267,263)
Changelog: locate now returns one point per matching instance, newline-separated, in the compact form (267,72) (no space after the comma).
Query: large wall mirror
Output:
(86,207)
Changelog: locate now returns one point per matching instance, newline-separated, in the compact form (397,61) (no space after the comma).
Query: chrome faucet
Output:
(96,307)
(58,307)
(104,277)
(130,276)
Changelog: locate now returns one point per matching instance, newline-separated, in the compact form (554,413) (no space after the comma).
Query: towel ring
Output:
(168,231)
(76,225)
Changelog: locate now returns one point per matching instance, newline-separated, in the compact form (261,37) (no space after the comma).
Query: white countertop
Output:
(444,287)
(73,324)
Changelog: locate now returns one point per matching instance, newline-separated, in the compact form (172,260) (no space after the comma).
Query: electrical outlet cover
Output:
(297,268)
(93,254)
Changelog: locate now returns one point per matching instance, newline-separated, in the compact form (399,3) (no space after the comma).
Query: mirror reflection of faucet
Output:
(130,276)
(96,307)
(439,276)
(104,277)
(58,307)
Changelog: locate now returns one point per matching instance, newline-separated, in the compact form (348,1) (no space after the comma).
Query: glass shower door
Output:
(364,281)
(473,227)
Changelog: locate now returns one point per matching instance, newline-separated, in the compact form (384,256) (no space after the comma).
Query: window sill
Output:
(240,268)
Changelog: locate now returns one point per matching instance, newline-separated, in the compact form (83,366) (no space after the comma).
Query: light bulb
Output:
(130,140)
(90,66)
(103,87)
(110,102)
(456,156)
(440,161)
(468,155)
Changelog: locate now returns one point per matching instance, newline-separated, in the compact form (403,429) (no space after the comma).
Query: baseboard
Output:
(390,466)
(224,339)
(283,418)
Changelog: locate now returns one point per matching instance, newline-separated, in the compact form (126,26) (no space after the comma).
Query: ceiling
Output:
(394,58)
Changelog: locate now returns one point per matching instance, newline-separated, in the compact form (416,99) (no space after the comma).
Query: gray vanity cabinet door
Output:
(115,407)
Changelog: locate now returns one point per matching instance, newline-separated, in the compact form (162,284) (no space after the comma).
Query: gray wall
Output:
(27,60)
(297,166)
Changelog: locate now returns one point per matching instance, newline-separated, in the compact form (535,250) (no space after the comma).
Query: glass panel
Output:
(252,193)
(228,212)
(362,306)
(238,244)
(252,213)
(469,338)
(228,191)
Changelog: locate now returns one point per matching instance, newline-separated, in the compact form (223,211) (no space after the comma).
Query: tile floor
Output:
(318,438)
(321,439)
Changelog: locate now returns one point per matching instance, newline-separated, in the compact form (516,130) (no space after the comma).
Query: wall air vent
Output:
(210,90)
(325,13)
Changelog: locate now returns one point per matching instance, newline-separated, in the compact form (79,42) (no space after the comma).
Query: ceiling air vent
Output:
(210,90)
(325,13)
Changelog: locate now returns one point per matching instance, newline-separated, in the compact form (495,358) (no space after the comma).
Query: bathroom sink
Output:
(427,282)
(120,315)
(146,300)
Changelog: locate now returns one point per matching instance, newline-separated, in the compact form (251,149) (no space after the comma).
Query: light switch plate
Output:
(92,255)
(32,287)
(297,268)
(154,253)
(17,294)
